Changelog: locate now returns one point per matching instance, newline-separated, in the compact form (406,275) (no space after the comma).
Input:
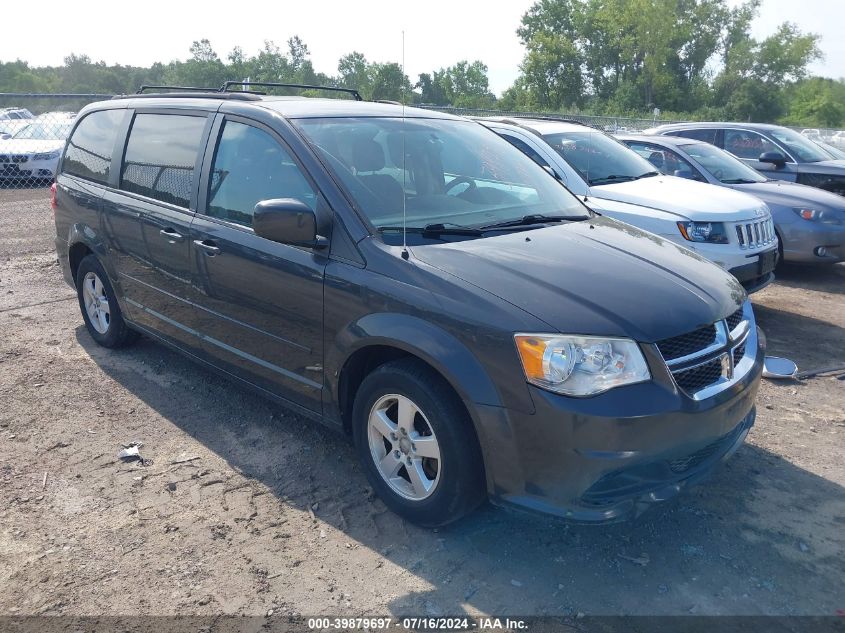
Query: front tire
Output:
(100,310)
(417,444)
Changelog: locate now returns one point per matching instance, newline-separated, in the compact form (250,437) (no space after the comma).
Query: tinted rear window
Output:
(89,150)
(161,155)
(708,135)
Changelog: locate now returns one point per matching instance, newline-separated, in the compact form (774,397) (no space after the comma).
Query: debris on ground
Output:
(131,453)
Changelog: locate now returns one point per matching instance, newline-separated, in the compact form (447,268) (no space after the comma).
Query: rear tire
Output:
(100,310)
(417,444)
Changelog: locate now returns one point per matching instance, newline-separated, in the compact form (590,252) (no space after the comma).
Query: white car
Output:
(33,152)
(14,114)
(732,229)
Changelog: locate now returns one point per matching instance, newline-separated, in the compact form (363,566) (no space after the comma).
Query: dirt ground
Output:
(266,511)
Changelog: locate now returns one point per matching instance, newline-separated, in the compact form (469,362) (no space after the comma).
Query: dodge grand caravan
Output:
(414,281)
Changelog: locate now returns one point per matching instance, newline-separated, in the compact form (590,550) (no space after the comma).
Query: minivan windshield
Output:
(446,172)
(599,159)
(722,165)
(802,148)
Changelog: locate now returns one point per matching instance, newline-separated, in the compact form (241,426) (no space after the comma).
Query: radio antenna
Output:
(404,170)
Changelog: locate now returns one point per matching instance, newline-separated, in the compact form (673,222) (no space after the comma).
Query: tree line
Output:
(689,58)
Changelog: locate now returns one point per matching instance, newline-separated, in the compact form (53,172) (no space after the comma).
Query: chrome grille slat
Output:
(720,348)
(756,234)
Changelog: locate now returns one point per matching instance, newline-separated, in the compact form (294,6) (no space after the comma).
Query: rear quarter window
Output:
(89,149)
(161,155)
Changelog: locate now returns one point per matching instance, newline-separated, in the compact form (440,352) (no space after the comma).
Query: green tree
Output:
(390,83)
(355,72)
(464,85)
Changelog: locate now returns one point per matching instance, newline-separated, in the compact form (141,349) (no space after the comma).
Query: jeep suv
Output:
(412,280)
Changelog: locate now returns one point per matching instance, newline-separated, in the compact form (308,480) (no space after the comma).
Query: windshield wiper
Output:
(648,174)
(612,178)
(528,220)
(434,229)
(738,181)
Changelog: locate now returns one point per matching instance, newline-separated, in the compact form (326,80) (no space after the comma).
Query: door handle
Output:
(172,235)
(210,248)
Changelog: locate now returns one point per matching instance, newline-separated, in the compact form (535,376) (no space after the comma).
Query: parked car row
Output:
(30,147)
(810,222)
(416,282)
(732,229)
(775,151)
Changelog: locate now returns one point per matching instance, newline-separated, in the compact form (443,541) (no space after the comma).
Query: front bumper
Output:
(29,169)
(754,270)
(758,272)
(801,241)
(609,457)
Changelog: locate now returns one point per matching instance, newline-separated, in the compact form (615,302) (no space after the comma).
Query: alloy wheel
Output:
(404,447)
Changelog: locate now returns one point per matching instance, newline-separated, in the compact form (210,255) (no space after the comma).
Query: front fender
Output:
(437,347)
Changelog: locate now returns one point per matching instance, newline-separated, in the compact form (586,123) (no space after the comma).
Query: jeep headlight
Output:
(711,232)
(580,365)
(47,155)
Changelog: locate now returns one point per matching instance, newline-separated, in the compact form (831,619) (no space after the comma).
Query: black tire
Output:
(117,333)
(461,486)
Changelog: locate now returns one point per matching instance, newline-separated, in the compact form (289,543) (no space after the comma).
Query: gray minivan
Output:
(412,280)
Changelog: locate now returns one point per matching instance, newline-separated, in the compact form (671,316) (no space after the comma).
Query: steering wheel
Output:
(461,180)
(717,174)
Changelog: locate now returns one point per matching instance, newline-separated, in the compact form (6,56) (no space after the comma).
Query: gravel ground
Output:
(247,508)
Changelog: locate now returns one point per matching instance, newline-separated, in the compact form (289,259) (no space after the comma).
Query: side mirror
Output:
(683,173)
(775,158)
(287,221)
(5,136)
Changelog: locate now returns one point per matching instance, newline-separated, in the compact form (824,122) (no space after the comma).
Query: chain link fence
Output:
(609,124)
(827,137)
(34,129)
(33,132)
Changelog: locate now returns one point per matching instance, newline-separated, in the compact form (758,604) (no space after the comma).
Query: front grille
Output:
(686,344)
(13,158)
(739,353)
(755,234)
(734,320)
(695,379)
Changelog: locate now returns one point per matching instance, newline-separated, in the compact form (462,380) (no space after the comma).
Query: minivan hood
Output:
(598,277)
(682,197)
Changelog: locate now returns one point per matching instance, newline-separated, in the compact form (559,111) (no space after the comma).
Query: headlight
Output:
(815,215)
(580,365)
(711,232)
(47,155)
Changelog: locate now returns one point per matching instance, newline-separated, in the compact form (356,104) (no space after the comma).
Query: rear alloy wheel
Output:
(96,302)
(417,444)
(99,306)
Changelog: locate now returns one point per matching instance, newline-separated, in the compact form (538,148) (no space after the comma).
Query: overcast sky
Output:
(438,33)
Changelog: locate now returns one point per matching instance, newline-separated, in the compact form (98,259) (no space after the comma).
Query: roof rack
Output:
(225,87)
(194,94)
(144,88)
(223,91)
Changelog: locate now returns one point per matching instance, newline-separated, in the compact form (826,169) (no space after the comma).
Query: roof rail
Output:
(144,88)
(225,87)
(194,94)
